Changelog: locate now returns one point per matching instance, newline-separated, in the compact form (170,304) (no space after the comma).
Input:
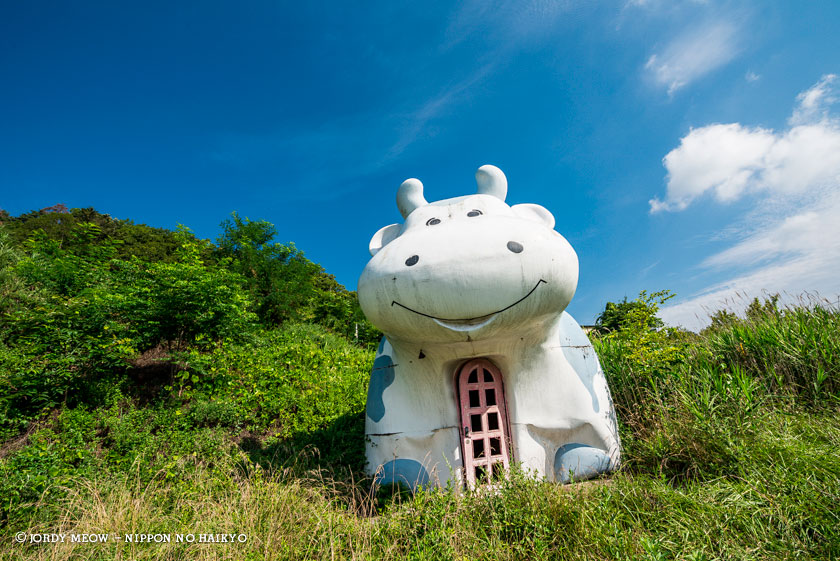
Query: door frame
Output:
(504,422)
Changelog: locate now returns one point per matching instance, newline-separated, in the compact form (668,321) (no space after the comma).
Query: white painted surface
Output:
(473,277)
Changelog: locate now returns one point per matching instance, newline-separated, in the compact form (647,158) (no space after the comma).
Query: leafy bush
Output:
(628,314)
(58,223)
(95,313)
(638,358)
(296,379)
(687,403)
(181,303)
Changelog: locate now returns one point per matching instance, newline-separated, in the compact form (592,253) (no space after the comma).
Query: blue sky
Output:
(691,146)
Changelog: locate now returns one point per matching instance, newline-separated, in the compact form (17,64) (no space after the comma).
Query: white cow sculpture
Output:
(480,365)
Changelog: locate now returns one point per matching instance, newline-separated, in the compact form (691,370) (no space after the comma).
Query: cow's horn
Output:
(491,181)
(410,196)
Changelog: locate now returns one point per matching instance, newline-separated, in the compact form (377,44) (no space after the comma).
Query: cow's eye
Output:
(432,221)
(474,212)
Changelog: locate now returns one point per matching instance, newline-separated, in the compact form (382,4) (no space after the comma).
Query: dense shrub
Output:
(295,379)
(77,313)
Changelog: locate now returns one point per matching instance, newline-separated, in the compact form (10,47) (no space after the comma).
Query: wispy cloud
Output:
(808,264)
(505,25)
(312,156)
(415,121)
(794,176)
(815,102)
(659,4)
(693,55)
(643,273)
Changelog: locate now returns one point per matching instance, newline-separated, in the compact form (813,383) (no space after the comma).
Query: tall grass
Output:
(771,508)
(795,351)
(791,354)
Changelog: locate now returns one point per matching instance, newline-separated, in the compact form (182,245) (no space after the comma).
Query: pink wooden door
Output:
(484,422)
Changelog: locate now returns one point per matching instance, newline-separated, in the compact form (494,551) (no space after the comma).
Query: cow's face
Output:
(468,268)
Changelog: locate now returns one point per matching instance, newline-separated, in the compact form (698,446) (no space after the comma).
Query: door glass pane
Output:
(478,448)
(475,422)
(495,446)
(490,394)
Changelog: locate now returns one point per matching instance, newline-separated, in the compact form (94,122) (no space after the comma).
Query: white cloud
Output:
(694,54)
(809,230)
(809,264)
(752,77)
(814,102)
(722,159)
(731,160)
(797,279)
(794,174)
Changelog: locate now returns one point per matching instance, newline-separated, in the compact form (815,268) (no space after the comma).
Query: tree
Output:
(58,224)
(279,277)
(642,310)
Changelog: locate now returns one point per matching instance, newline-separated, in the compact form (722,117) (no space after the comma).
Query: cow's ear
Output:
(383,237)
(534,212)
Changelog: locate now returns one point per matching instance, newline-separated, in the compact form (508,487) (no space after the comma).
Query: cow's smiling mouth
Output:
(470,323)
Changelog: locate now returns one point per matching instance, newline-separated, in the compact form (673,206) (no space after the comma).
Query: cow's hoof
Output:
(405,472)
(576,462)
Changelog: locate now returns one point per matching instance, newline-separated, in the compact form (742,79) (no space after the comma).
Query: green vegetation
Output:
(154,383)
(627,314)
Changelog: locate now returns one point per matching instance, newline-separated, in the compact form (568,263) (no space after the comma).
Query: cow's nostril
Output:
(412,260)
(515,247)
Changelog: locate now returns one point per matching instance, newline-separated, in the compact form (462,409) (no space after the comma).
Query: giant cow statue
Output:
(480,365)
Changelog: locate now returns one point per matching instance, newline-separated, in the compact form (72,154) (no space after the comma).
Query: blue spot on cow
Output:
(581,355)
(410,473)
(381,377)
(381,346)
(580,462)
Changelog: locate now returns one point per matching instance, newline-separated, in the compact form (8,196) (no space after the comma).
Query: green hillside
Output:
(153,384)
